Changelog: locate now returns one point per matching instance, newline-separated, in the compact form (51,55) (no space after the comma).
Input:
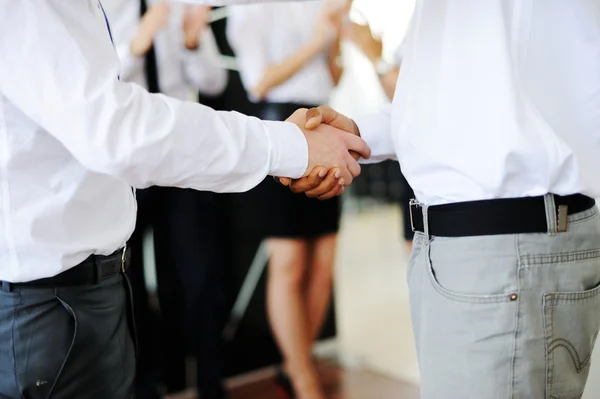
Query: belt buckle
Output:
(411,203)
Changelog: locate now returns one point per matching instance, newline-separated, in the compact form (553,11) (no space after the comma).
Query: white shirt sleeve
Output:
(201,67)
(375,130)
(60,69)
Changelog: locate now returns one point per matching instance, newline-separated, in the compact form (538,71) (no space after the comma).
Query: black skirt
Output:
(288,215)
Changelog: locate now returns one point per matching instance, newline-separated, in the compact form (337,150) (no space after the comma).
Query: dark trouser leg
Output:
(196,248)
(172,350)
(63,343)
(147,376)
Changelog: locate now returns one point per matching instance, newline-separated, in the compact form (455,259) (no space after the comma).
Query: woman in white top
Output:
(168,47)
(287,56)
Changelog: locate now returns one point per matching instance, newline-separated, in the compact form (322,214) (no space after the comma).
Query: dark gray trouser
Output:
(507,317)
(67,342)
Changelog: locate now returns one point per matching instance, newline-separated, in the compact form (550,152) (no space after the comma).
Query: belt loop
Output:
(425,221)
(6,286)
(551,216)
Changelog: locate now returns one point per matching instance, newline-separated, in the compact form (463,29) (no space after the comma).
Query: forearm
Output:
(156,140)
(281,72)
(336,68)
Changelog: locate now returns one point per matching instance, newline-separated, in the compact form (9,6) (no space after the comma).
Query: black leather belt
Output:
(92,270)
(499,216)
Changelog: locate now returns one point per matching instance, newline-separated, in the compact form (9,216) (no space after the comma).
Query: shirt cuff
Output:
(288,150)
(375,130)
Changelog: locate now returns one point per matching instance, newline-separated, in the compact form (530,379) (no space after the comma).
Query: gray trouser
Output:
(67,342)
(510,316)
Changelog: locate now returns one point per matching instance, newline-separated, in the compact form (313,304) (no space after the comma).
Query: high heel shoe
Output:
(285,389)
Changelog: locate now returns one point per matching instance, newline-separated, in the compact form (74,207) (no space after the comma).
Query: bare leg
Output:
(409,246)
(320,283)
(287,313)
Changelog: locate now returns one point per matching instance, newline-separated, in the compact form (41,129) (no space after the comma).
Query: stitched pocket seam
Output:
(69,309)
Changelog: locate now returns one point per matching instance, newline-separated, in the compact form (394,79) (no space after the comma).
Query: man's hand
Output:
(327,115)
(152,22)
(329,147)
(332,184)
(195,20)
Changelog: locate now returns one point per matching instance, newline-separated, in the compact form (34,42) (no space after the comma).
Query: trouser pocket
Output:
(571,322)
(44,337)
(464,313)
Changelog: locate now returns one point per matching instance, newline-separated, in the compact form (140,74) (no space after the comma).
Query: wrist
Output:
(320,43)
(139,46)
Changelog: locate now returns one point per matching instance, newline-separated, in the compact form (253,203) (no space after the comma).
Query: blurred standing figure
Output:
(288,59)
(168,48)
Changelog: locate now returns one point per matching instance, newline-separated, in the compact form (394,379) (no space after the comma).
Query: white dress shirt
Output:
(74,139)
(265,34)
(179,70)
(496,99)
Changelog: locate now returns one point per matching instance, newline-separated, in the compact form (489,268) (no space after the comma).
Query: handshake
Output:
(334,147)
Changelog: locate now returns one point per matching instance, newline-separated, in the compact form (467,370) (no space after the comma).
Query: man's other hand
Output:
(329,146)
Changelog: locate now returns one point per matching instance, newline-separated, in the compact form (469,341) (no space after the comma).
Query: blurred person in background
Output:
(168,47)
(288,59)
(372,47)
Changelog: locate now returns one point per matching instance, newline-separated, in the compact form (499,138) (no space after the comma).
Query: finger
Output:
(347,175)
(310,182)
(284,181)
(333,193)
(354,167)
(331,182)
(357,145)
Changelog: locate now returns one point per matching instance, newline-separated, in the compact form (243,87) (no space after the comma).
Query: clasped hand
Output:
(334,147)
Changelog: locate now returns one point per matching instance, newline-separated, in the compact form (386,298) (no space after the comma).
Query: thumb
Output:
(314,118)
